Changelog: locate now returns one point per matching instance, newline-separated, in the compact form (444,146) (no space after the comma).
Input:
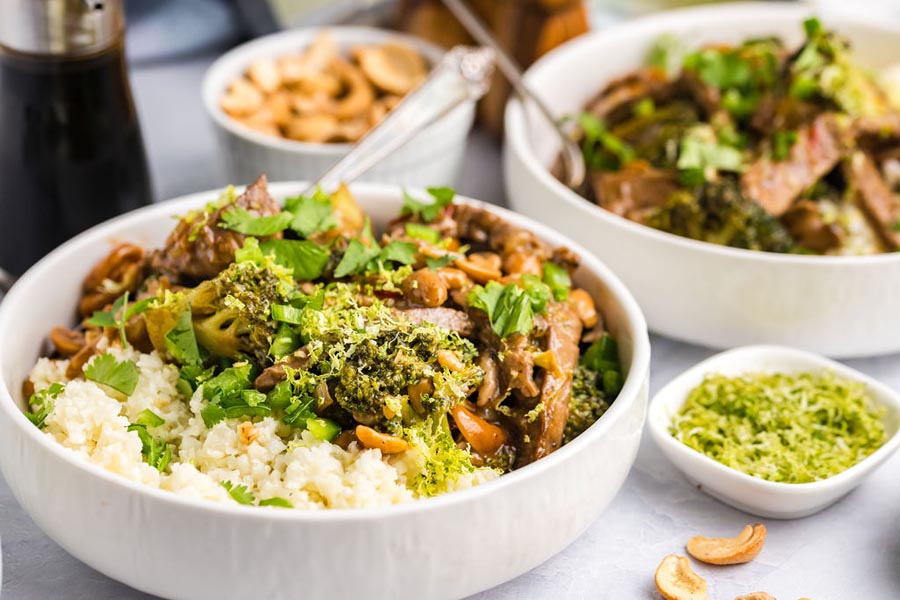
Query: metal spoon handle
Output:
(571,154)
(462,75)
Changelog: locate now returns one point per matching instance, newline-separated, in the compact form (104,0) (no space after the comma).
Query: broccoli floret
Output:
(586,404)
(232,312)
(720,214)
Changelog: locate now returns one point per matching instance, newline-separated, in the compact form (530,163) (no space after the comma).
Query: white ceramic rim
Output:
(634,381)
(659,425)
(294,40)
(517,120)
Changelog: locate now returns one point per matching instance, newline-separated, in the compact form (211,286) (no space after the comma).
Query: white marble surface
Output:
(850,551)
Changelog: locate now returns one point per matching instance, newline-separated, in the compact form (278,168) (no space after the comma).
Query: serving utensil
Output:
(462,75)
(574,170)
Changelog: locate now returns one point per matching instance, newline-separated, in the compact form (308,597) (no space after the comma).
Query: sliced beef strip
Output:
(873,195)
(805,224)
(545,433)
(448,318)
(615,101)
(517,366)
(198,250)
(707,96)
(634,190)
(880,136)
(775,184)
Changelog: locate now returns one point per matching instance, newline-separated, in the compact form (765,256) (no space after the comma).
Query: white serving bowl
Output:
(434,157)
(178,547)
(694,291)
(747,493)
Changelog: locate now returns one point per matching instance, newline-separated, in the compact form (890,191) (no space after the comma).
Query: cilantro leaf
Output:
(239,492)
(311,214)
(156,452)
(276,501)
(355,258)
(106,370)
(602,149)
(399,252)
(212,414)
(148,418)
(42,404)
(249,252)
(508,307)
(181,342)
(240,220)
(119,314)
(226,387)
(701,155)
(443,197)
(306,259)
(439,263)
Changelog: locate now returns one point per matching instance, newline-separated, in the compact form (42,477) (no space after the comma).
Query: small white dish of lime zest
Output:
(685,436)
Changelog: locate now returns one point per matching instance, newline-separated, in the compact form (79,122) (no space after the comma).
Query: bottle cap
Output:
(60,27)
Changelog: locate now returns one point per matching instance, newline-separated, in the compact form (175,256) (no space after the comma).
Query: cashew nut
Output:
(388,444)
(359,96)
(583,305)
(67,341)
(729,551)
(450,360)
(264,73)
(425,287)
(392,67)
(242,99)
(482,267)
(312,128)
(486,438)
(675,580)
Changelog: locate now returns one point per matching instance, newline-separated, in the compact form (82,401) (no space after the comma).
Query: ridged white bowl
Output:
(694,291)
(750,494)
(432,158)
(177,547)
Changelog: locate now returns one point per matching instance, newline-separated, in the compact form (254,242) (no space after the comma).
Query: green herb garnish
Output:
(782,142)
(156,452)
(558,279)
(306,259)
(41,404)
(239,492)
(277,502)
(443,197)
(106,370)
(510,308)
(181,342)
(240,220)
(602,150)
(312,214)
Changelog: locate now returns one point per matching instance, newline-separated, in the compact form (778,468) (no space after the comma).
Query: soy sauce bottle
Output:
(71,151)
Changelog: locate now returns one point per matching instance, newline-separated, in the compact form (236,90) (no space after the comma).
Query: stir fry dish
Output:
(288,357)
(755,146)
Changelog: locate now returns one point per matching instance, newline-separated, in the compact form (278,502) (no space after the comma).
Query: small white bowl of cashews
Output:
(292,103)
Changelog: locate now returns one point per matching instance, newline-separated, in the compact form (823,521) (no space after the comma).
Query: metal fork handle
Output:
(462,75)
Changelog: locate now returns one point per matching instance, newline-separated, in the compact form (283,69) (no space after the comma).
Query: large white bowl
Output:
(434,157)
(177,547)
(689,290)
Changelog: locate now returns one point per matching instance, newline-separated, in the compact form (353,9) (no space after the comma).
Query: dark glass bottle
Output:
(71,152)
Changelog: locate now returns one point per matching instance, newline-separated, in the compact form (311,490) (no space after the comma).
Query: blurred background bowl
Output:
(694,291)
(432,158)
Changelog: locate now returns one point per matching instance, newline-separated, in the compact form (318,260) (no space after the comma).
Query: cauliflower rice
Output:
(267,457)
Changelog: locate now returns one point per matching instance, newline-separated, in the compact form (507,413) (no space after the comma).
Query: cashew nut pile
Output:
(675,580)
(321,96)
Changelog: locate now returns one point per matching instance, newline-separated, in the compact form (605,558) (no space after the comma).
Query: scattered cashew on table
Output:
(675,580)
